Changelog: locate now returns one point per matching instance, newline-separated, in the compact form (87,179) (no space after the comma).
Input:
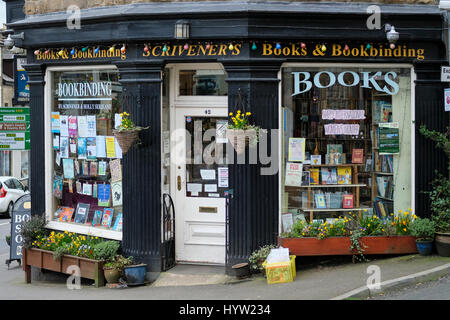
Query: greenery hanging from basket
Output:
(239,132)
(127,132)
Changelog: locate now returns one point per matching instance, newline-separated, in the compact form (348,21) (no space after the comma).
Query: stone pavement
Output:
(316,280)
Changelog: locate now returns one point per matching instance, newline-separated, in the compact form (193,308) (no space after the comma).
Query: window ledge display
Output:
(341,245)
(84,229)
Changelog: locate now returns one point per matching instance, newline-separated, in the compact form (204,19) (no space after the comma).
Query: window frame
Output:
(48,145)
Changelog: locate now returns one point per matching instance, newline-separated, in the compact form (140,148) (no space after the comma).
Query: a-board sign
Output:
(21,212)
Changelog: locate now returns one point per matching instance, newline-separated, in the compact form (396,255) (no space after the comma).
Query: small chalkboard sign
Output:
(21,212)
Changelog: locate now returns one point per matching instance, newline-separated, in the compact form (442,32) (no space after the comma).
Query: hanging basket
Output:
(125,139)
(239,139)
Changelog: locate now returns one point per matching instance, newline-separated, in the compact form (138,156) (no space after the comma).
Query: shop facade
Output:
(319,81)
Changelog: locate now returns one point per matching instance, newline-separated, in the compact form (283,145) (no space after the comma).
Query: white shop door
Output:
(200,179)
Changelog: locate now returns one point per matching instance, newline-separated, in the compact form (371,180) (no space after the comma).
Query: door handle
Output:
(179,183)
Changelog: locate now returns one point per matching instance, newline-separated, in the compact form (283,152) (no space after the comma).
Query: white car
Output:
(11,189)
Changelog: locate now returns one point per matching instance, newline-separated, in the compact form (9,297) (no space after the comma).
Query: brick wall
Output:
(45,6)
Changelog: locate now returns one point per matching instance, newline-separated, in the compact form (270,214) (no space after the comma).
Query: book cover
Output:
(87,189)
(104,191)
(91,126)
(293,174)
(287,220)
(58,187)
(64,147)
(64,125)
(93,168)
(100,146)
(316,159)
(107,217)
(70,185)
(56,141)
(357,155)
(66,214)
(102,165)
(118,222)
(79,187)
(73,147)
(344,175)
(85,168)
(334,178)
(334,148)
(68,168)
(82,148)
(314,176)
(116,189)
(320,201)
(305,178)
(296,149)
(82,126)
(73,129)
(77,167)
(326,175)
(110,147)
(347,201)
(97,220)
(116,170)
(91,148)
(55,122)
(82,212)
(94,190)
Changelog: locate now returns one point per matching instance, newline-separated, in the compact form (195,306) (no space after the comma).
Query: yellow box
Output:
(282,272)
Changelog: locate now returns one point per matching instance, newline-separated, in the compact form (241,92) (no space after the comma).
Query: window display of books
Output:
(88,175)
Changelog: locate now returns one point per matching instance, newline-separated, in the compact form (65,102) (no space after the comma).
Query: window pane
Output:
(87,159)
(203,83)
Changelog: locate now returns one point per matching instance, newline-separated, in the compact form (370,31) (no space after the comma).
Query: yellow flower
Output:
(231,113)
(248,114)
(404,229)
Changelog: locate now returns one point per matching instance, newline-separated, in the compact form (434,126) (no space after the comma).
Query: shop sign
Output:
(89,54)
(445,73)
(85,95)
(193,50)
(14,128)
(338,50)
(22,89)
(368,79)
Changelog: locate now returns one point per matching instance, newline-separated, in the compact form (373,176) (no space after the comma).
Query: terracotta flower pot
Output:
(112,275)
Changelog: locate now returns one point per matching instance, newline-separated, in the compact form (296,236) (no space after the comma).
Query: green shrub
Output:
(422,229)
(106,250)
(440,203)
(33,229)
(119,262)
(259,256)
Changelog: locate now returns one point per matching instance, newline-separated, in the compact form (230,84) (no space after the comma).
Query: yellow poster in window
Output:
(110,147)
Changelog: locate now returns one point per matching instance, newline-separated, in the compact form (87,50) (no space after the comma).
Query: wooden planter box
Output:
(43,259)
(341,245)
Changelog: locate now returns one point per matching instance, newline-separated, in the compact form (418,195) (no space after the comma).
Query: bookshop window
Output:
(346,141)
(87,174)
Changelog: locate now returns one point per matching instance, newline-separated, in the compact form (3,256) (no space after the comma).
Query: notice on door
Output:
(223,177)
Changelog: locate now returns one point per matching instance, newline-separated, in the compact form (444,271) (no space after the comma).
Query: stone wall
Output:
(46,6)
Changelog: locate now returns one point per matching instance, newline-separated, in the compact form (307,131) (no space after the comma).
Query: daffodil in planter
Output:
(127,132)
(240,133)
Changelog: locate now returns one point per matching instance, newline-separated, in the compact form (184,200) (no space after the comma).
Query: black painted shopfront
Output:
(252,66)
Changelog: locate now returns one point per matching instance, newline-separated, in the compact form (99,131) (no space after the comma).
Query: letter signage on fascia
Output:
(303,82)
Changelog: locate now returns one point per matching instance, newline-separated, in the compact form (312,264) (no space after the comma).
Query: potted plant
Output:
(113,269)
(135,274)
(127,132)
(423,230)
(440,208)
(258,257)
(240,133)
(440,194)
(8,239)
(107,251)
